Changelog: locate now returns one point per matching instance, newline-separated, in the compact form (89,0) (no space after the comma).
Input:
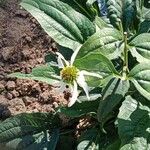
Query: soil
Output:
(23,46)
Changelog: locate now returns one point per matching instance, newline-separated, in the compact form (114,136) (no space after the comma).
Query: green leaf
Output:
(66,52)
(140,76)
(111,97)
(121,11)
(81,6)
(54,137)
(89,140)
(42,73)
(141,47)
(29,131)
(94,139)
(105,41)
(66,26)
(100,23)
(93,7)
(144,27)
(134,125)
(97,63)
(80,109)
(50,57)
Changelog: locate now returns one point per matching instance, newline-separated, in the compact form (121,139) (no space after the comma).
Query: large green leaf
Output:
(43,73)
(105,41)
(121,11)
(134,125)
(141,47)
(96,62)
(111,97)
(140,76)
(66,26)
(94,139)
(29,131)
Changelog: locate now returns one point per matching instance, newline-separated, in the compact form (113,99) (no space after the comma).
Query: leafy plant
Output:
(116,48)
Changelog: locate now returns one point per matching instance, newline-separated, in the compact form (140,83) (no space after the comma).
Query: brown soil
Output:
(23,45)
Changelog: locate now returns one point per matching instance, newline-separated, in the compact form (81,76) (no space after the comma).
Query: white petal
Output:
(74,91)
(82,83)
(74,55)
(62,87)
(61,60)
(91,74)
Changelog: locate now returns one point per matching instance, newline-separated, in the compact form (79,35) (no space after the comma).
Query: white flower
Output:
(73,77)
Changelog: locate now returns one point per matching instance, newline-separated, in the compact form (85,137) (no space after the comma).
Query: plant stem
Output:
(121,28)
(125,65)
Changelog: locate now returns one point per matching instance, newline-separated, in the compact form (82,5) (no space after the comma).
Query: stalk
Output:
(125,54)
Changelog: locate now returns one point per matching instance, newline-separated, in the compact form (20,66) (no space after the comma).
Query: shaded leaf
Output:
(140,76)
(28,131)
(133,125)
(82,6)
(94,139)
(121,11)
(112,95)
(80,109)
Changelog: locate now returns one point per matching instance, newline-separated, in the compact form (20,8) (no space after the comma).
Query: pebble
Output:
(14,93)
(2,87)
(10,85)
(9,96)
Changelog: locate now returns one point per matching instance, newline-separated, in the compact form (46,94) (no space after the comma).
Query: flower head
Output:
(69,74)
(72,76)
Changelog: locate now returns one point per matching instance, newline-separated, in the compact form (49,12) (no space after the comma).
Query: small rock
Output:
(2,88)
(28,100)
(16,106)
(1,77)
(3,100)
(45,97)
(36,87)
(26,53)
(2,64)
(40,60)
(28,70)
(28,39)
(10,85)
(14,93)
(9,96)
(7,53)
(55,104)
(47,108)
(21,13)
(4,112)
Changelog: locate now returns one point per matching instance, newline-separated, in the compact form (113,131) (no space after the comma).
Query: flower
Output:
(72,76)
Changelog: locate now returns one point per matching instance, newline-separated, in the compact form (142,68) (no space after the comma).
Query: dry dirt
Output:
(23,45)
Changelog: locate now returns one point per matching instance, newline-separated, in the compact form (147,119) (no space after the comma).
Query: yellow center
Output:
(69,74)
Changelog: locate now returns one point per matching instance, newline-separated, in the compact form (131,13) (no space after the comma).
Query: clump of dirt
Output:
(23,46)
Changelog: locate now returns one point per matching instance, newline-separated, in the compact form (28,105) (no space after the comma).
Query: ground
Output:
(23,45)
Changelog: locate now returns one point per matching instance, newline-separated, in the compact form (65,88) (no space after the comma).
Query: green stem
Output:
(121,28)
(125,65)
